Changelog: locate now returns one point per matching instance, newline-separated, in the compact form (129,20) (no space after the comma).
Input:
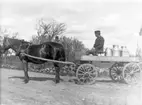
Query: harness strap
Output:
(48,59)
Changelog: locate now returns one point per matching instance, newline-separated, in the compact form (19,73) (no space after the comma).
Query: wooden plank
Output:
(79,54)
(110,58)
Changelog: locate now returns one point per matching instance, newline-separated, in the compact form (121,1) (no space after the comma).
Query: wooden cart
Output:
(127,69)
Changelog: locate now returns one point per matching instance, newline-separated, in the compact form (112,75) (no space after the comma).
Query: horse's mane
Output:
(16,39)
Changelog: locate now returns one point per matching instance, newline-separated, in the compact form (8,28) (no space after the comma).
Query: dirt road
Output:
(41,90)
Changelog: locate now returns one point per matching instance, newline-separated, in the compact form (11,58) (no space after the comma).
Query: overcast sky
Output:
(118,20)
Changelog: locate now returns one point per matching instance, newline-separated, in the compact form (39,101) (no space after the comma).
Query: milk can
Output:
(121,51)
(116,50)
(108,52)
(125,51)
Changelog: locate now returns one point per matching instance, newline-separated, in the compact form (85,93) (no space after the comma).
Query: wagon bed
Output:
(120,68)
(109,58)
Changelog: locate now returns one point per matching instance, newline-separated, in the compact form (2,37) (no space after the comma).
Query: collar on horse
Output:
(23,50)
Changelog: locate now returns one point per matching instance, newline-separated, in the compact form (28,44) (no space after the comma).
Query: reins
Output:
(66,62)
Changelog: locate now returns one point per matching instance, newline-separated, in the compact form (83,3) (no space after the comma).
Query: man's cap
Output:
(98,31)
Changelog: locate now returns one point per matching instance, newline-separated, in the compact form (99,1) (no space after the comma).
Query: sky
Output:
(118,20)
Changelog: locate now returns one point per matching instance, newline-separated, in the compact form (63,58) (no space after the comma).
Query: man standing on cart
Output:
(98,45)
(57,39)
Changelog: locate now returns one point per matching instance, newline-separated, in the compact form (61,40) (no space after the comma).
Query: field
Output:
(41,90)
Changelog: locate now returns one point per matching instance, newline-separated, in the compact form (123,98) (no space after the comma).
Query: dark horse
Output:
(47,50)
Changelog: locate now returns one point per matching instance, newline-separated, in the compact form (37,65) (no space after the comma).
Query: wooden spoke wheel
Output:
(115,72)
(132,73)
(86,73)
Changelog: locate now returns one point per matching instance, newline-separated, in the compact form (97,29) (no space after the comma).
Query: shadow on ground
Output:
(73,80)
(36,78)
(105,81)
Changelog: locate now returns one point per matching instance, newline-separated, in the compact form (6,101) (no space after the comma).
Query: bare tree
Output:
(46,31)
(2,33)
(6,33)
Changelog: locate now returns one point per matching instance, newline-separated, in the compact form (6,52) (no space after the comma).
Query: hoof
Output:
(26,81)
(57,81)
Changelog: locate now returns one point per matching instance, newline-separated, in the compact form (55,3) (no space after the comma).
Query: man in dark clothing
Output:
(57,39)
(99,44)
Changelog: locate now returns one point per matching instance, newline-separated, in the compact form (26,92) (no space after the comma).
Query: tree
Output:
(46,31)
(6,33)
(71,45)
(2,33)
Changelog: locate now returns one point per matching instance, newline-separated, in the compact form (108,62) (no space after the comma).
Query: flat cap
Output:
(97,31)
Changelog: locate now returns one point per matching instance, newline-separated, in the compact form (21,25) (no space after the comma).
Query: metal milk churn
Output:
(108,52)
(125,51)
(116,51)
(121,51)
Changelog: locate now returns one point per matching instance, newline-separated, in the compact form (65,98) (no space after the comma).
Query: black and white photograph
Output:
(70,52)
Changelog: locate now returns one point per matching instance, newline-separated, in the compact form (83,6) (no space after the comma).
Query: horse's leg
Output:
(57,74)
(26,78)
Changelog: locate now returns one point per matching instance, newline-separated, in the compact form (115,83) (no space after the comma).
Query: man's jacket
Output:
(99,44)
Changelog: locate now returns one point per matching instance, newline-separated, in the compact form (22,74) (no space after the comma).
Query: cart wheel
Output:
(132,73)
(87,73)
(115,72)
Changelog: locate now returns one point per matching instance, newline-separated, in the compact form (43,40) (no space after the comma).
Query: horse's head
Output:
(14,44)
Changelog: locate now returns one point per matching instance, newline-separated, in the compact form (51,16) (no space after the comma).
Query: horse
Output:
(46,50)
